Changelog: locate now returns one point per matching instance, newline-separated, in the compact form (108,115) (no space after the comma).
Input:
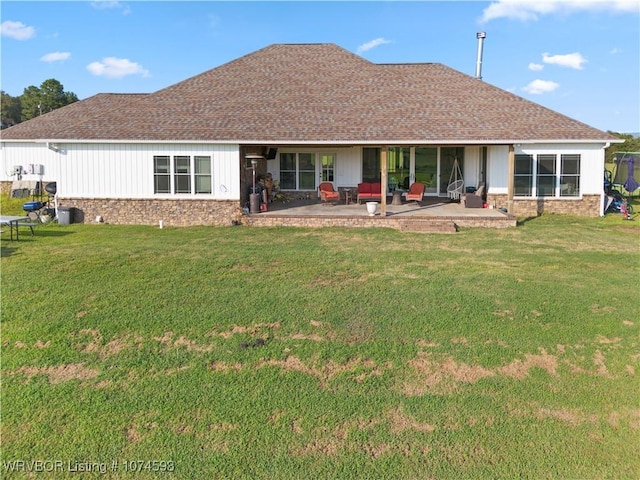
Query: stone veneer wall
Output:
(587,206)
(413,223)
(5,188)
(180,213)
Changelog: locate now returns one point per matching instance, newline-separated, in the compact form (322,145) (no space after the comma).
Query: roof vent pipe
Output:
(480,36)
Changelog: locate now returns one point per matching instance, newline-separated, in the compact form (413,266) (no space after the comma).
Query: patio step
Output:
(428,225)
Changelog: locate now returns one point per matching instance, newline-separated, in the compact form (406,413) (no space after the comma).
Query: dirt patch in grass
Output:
(325,372)
(463,456)
(254,329)
(320,446)
(182,341)
(595,308)
(225,367)
(400,421)
(441,376)
(520,368)
(572,417)
(38,344)
(135,432)
(608,341)
(601,367)
(97,344)
(222,427)
(59,373)
(575,417)
(296,427)
(312,336)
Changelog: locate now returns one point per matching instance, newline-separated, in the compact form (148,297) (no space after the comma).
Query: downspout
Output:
(511,168)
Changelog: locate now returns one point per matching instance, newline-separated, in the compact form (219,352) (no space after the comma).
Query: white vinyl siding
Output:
(123,170)
(589,176)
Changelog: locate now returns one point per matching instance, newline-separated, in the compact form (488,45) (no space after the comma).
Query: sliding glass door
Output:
(432,166)
(448,157)
(426,168)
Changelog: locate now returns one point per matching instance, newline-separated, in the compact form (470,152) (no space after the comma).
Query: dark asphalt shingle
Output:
(312,93)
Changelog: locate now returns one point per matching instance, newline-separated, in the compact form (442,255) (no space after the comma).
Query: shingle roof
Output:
(312,93)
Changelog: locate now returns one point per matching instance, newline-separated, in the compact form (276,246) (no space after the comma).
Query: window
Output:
(161,174)
(546,176)
(370,164)
(398,159)
(426,170)
(307,171)
(288,163)
(555,176)
(182,174)
(523,181)
(298,171)
(569,175)
(203,174)
(185,174)
(328,162)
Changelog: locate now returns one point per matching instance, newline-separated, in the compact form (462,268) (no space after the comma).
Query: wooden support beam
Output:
(383,182)
(511,168)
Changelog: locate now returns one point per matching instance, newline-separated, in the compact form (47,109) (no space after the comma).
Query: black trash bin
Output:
(65,215)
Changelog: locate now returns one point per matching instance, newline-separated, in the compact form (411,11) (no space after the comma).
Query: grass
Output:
(484,354)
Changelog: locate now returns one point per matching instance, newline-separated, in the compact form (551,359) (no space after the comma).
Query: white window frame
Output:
(559,190)
(192,174)
(317,171)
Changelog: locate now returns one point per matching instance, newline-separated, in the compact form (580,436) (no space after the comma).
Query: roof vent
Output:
(480,36)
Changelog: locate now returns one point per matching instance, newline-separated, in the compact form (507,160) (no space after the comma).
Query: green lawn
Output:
(338,353)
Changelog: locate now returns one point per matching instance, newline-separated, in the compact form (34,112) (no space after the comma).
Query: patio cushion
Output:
(364,187)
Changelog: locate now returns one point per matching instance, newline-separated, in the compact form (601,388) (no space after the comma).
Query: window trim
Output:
(559,188)
(187,173)
(297,171)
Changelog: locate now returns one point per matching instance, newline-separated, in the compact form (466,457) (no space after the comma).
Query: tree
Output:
(50,96)
(30,100)
(631,144)
(11,109)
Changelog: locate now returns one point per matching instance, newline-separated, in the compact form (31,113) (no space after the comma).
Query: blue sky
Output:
(578,57)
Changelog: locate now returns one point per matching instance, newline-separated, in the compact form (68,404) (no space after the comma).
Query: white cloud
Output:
(372,44)
(111,4)
(535,67)
(615,51)
(17,30)
(55,57)
(538,87)
(526,10)
(570,60)
(112,67)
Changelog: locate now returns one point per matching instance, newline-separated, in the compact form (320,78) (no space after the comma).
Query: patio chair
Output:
(416,192)
(327,193)
(474,200)
(454,190)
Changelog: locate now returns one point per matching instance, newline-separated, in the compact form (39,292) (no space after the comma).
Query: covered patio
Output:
(431,215)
